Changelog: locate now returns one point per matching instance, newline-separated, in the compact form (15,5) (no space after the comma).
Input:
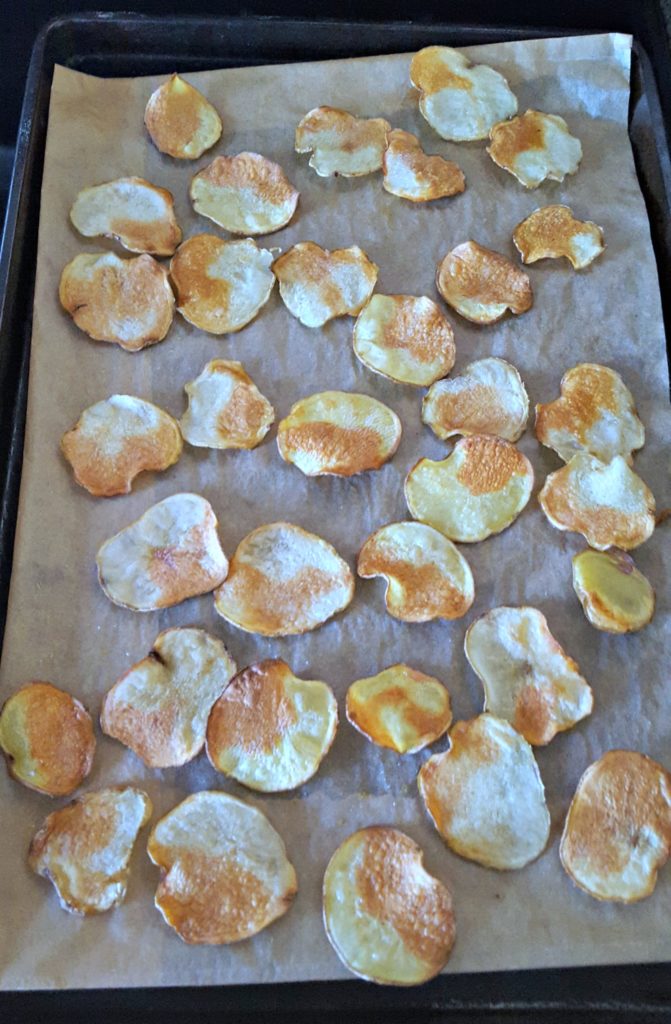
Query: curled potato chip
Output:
(399,708)
(482,284)
(317,285)
(488,397)
(170,553)
(226,409)
(340,143)
(617,833)
(84,848)
(271,730)
(138,214)
(535,147)
(387,918)
(128,302)
(412,174)
(615,596)
(460,100)
(606,502)
(159,707)
(246,194)
(478,490)
(405,338)
(553,232)
(485,795)
(47,739)
(180,121)
(338,433)
(427,577)
(225,874)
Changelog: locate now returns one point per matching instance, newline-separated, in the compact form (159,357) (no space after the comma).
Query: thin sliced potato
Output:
(535,147)
(138,214)
(340,143)
(552,232)
(482,284)
(615,596)
(412,174)
(317,285)
(488,397)
(226,409)
(180,121)
(400,708)
(246,194)
(405,338)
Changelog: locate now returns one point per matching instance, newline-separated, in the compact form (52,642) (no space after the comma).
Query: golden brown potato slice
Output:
(47,739)
(340,143)
(412,174)
(552,232)
(617,833)
(488,397)
(535,147)
(317,285)
(387,918)
(225,874)
(399,708)
(246,194)
(180,121)
(226,409)
(482,284)
(84,848)
(485,795)
(138,214)
(271,730)
(615,596)
(127,302)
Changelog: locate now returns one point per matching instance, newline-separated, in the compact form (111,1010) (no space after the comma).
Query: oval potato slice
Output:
(246,194)
(138,214)
(488,397)
(226,409)
(412,174)
(317,285)
(180,121)
(534,147)
(400,708)
(482,284)
(405,338)
(340,143)
(552,232)
(615,596)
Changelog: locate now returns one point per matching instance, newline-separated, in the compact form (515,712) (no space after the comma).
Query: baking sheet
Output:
(61,627)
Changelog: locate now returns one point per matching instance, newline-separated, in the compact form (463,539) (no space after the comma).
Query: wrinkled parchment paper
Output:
(62,628)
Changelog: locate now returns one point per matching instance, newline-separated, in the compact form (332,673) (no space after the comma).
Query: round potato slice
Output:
(170,553)
(478,490)
(317,285)
(159,707)
(127,302)
(399,708)
(340,143)
(338,433)
(180,121)
(284,580)
(226,409)
(387,918)
(427,577)
(488,397)
(138,214)
(47,739)
(482,284)
(84,848)
(485,795)
(225,871)
(246,194)
(411,174)
(552,232)
(615,596)
(271,730)
(535,147)
(617,833)
(405,338)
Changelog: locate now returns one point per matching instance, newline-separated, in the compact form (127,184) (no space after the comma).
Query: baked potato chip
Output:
(271,730)
(226,409)
(224,869)
(180,121)
(399,708)
(84,848)
(485,795)
(317,285)
(412,174)
(159,707)
(615,596)
(553,232)
(340,143)
(482,284)
(138,214)
(47,739)
(170,553)
(246,194)
(338,433)
(387,918)
(488,397)
(534,147)
(479,489)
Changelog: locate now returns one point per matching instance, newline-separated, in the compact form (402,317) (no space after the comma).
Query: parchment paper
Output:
(62,628)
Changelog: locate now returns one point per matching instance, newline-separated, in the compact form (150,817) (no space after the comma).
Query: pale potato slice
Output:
(405,338)
(225,874)
(284,580)
(138,214)
(478,490)
(317,285)
(221,286)
(84,848)
(615,596)
(399,708)
(387,918)
(482,284)
(246,194)
(159,707)
(606,502)
(427,577)
(47,738)
(170,553)
(412,174)
(180,121)
(488,397)
(535,147)
(226,409)
(271,730)
(485,795)
(340,143)
(552,232)
(127,302)
(116,439)
(617,833)
(338,433)
(461,101)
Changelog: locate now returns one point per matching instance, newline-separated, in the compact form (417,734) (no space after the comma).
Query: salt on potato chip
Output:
(271,730)
(226,409)
(47,738)
(482,284)
(487,397)
(340,143)
(246,194)
(405,338)
(399,708)
(427,577)
(225,874)
(170,553)
(617,833)
(180,121)
(606,502)
(317,285)
(159,707)
(138,214)
(387,918)
(127,302)
(534,147)
(485,795)
(410,173)
(84,848)
(615,596)
(552,232)
(338,433)
(479,489)
(461,101)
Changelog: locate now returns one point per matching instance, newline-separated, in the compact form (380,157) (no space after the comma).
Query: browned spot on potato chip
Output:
(553,232)
(253,710)
(412,174)
(488,466)
(140,215)
(341,143)
(399,708)
(535,146)
(404,337)
(180,121)
(481,284)
(430,72)
(246,194)
(317,285)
